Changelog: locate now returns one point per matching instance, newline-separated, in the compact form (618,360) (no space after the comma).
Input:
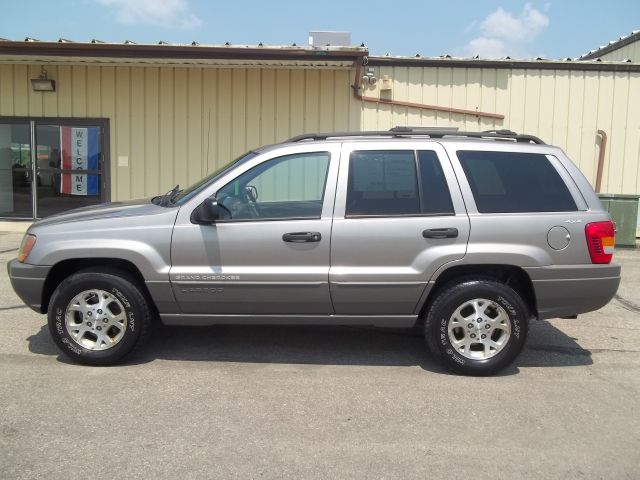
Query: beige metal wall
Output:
(563,107)
(631,52)
(176,124)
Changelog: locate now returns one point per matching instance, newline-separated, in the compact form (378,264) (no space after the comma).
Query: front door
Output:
(271,255)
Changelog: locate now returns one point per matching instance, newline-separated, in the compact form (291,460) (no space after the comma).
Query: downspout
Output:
(357,93)
(603,148)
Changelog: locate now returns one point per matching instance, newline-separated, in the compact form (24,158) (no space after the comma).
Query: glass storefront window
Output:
(68,168)
(66,171)
(16,172)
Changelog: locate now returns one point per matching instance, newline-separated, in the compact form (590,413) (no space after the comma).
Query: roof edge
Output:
(130,50)
(612,46)
(503,64)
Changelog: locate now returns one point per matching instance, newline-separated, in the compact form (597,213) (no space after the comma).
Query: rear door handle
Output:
(301,237)
(440,233)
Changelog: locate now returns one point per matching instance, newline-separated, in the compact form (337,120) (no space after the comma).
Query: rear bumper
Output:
(28,282)
(562,291)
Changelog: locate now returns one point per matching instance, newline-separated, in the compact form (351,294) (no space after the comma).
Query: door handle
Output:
(301,237)
(440,233)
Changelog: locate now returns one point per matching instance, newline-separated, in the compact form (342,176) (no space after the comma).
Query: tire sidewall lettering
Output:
(444,341)
(125,301)
(131,322)
(516,329)
(58,316)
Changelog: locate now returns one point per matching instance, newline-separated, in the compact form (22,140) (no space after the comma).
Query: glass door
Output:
(16,170)
(69,167)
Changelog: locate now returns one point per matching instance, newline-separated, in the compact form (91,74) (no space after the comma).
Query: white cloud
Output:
(163,13)
(487,47)
(503,33)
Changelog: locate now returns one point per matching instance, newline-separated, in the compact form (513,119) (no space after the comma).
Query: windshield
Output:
(191,191)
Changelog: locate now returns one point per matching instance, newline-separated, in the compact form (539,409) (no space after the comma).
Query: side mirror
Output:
(208,211)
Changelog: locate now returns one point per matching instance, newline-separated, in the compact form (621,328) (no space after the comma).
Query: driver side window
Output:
(286,187)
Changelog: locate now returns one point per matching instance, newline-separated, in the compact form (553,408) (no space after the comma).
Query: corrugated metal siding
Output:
(564,108)
(175,124)
(631,51)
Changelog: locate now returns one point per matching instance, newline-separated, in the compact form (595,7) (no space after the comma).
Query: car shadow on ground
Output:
(547,346)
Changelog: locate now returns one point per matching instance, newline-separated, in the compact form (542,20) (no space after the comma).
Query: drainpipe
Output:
(357,93)
(603,148)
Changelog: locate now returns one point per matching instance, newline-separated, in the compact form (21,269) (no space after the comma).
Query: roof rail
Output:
(398,132)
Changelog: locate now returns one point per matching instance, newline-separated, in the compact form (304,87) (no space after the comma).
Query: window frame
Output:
(418,171)
(279,159)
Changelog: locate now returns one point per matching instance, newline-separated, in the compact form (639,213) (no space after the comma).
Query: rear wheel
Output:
(97,318)
(477,326)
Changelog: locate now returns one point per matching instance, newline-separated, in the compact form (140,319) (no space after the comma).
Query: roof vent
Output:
(330,39)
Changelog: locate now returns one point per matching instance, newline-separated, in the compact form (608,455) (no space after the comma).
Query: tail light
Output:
(601,239)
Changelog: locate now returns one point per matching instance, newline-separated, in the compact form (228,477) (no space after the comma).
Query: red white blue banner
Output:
(80,151)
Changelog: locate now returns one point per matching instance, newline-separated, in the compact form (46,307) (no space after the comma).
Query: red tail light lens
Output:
(601,239)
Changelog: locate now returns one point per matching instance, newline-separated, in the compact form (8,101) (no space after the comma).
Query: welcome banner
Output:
(79,151)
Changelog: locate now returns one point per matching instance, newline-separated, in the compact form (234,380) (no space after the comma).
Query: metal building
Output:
(624,49)
(158,115)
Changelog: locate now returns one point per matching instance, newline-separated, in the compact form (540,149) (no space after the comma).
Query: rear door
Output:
(399,216)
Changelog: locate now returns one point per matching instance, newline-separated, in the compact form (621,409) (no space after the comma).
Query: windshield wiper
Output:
(168,198)
(173,195)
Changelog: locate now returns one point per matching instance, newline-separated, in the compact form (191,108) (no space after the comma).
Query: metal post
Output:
(34,160)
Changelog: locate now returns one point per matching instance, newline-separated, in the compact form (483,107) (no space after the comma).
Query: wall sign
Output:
(80,151)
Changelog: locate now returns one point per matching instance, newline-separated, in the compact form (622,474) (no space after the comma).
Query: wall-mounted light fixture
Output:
(42,83)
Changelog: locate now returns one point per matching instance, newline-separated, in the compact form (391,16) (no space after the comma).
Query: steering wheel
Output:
(250,195)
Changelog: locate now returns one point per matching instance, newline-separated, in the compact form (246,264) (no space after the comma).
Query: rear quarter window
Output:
(513,182)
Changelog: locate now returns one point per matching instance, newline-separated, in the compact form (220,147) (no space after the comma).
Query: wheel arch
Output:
(65,268)
(515,277)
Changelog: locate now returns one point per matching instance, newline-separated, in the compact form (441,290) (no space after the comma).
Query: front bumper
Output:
(562,291)
(28,282)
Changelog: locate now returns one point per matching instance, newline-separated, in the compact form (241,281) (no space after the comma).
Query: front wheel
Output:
(477,326)
(97,318)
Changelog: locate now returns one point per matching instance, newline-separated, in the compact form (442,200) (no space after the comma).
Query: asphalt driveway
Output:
(310,402)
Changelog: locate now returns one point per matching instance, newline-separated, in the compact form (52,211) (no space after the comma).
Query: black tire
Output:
(454,295)
(135,306)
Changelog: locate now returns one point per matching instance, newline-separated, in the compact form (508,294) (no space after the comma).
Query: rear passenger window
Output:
(382,183)
(511,182)
(436,199)
(387,183)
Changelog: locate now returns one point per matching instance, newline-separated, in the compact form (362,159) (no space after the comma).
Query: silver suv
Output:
(468,235)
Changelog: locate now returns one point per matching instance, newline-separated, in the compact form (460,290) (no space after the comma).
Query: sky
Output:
(488,28)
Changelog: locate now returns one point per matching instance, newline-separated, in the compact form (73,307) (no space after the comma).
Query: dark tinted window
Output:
(382,183)
(436,198)
(505,182)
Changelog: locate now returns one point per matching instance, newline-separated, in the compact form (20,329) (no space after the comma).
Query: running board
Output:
(193,320)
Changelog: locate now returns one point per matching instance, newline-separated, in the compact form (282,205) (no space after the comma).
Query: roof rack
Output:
(399,132)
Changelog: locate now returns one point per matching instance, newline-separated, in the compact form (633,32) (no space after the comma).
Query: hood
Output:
(132,208)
